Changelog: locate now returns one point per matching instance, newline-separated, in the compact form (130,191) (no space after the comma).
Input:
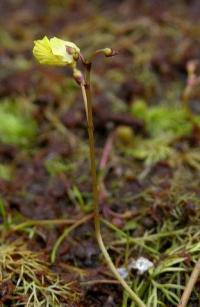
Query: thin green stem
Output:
(30,223)
(86,93)
(65,234)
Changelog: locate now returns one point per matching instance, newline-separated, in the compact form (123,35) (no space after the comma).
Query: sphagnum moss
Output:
(60,53)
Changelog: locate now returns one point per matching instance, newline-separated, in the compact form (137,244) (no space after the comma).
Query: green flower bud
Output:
(109,52)
(125,135)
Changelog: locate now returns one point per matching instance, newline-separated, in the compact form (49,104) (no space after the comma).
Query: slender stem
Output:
(86,93)
(190,285)
(65,234)
(30,223)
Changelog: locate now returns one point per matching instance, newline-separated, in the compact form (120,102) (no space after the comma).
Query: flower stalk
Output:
(87,98)
(58,52)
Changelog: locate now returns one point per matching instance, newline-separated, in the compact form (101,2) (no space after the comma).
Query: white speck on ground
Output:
(141,265)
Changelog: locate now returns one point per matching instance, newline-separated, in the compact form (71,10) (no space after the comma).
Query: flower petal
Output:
(54,52)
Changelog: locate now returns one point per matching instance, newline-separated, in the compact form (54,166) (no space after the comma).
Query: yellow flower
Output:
(56,51)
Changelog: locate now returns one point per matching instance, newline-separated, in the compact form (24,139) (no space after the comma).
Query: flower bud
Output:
(109,52)
(125,135)
(78,76)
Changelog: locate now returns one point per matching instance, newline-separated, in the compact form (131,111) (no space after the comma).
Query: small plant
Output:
(58,52)
(26,279)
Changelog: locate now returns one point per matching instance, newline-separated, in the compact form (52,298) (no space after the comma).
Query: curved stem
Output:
(65,234)
(190,285)
(86,93)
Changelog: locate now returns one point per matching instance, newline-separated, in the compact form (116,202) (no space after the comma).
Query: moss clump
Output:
(162,119)
(151,151)
(31,281)
(16,126)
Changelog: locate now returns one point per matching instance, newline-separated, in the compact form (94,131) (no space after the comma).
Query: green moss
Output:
(162,119)
(16,126)
(151,151)
(139,109)
(164,124)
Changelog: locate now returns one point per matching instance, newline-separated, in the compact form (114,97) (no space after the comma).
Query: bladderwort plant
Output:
(57,52)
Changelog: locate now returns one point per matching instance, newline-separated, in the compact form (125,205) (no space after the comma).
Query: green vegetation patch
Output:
(31,279)
(163,119)
(16,126)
